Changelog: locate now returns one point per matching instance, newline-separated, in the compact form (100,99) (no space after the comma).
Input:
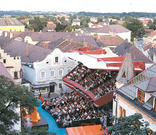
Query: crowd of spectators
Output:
(71,107)
(99,82)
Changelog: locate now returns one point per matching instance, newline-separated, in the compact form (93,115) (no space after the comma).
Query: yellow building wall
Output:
(13,62)
(12,28)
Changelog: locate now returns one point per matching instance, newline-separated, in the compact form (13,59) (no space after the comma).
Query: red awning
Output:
(85,130)
(95,52)
(112,58)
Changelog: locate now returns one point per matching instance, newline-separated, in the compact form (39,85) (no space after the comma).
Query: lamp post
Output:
(103,121)
(116,108)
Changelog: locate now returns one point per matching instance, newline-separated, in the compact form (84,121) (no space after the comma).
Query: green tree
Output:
(37,24)
(68,29)
(113,22)
(12,96)
(130,125)
(100,19)
(135,26)
(151,25)
(60,27)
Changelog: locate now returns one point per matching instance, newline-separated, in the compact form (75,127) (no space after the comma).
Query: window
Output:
(122,112)
(15,75)
(4,60)
(124,75)
(150,101)
(42,74)
(52,73)
(60,72)
(155,105)
(141,96)
(56,59)
(60,85)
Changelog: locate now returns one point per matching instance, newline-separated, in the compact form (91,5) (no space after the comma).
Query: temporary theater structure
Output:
(100,60)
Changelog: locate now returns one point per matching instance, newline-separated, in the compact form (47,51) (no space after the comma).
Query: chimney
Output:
(98,37)
(85,43)
(27,50)
(46,46)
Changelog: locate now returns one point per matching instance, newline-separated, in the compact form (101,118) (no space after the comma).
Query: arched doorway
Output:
(51,88)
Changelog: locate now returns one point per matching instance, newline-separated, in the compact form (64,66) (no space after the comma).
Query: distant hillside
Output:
(18,12)
(15,12)
(134,14)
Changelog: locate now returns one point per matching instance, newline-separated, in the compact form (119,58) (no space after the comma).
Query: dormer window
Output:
(122,112)
(141,96)
(15,75)
(56,59)
(4,60)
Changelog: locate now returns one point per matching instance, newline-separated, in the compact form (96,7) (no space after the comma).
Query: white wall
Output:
(47,65)
(125,35)
(29,74)
(130,110)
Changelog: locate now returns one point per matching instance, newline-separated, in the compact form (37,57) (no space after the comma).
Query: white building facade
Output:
(138,96)
(46,75)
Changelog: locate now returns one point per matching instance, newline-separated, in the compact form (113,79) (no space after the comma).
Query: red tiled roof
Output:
(152,34)
(109,40)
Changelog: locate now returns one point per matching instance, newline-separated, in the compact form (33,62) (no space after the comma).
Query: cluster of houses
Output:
(42,59)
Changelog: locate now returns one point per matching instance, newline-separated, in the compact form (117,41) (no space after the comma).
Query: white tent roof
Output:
(91,61)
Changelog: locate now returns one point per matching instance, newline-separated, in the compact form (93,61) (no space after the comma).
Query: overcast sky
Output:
(80,5)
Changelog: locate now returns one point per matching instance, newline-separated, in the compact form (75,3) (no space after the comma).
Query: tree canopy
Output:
(37,24)
(130,125)
(152,25)
(12,97)
(135,26)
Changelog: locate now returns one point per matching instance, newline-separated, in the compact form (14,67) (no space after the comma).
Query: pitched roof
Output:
(76,20)
(45,36)
(17,48)
(141,80)
(109,40)
(76,40)
(153,33)
(148,85)
(54,36)
(126,71)
(4,72)
(108,29)
(136,54)
(67,45)
(10,22)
